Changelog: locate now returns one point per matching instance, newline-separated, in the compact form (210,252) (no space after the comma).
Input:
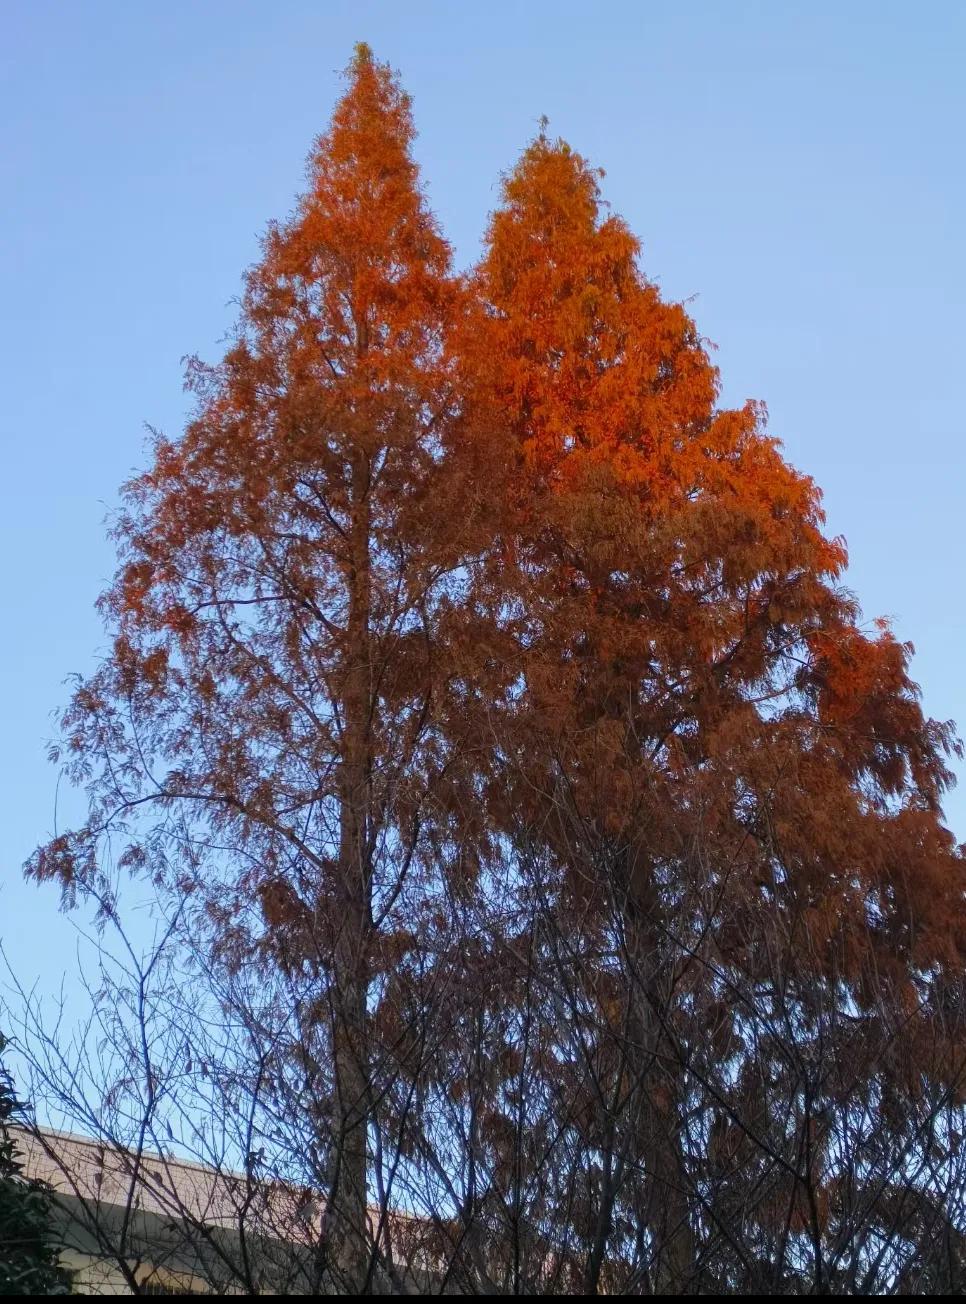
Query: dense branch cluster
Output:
(555,862)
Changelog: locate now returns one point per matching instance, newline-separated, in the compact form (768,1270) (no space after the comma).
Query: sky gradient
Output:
(793,170)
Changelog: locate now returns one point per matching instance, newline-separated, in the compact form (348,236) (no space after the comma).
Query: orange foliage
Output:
(692,665)
(447,573)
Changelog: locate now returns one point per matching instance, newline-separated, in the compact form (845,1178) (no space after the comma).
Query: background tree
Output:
(28,1246)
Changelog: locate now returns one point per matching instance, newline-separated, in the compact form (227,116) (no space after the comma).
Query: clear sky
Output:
(795,171)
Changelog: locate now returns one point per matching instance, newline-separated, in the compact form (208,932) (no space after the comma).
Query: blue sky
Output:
(794,170)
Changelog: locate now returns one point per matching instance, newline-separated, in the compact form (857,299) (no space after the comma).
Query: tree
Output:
(269,688)
(28,1253)
(564,858)
(704,737)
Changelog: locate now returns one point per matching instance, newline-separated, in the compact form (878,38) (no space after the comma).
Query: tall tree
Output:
(28,1251)
(269,690)
(703,735)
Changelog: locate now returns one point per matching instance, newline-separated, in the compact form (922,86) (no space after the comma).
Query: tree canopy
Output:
(488,688)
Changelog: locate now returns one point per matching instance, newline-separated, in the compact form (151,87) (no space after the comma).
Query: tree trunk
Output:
(348,1239)
(670,1229)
